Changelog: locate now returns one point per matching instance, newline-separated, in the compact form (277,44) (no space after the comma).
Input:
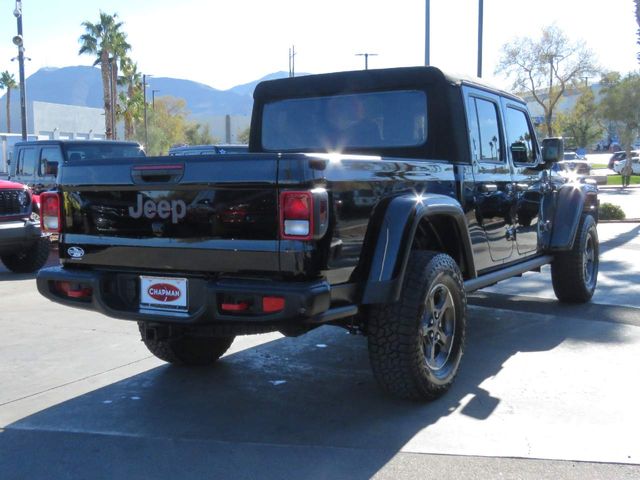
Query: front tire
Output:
(416,344)
(187,350)
(574,273)
(29,260)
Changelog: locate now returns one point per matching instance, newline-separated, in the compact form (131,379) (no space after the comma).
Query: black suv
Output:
(36,163)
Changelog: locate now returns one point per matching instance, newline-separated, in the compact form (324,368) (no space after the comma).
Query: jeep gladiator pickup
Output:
(23,248)
(372,200)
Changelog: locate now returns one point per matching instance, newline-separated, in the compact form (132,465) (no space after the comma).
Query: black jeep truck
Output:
(373,200)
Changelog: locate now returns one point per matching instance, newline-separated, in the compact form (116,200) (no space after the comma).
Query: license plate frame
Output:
(168,294)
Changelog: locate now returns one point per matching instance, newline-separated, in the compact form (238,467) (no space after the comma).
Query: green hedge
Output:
(609,211)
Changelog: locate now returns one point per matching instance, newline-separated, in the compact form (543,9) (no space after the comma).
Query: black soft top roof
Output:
(363,80)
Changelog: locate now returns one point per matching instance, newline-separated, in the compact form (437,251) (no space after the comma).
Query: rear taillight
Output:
(50,218)
(296,215)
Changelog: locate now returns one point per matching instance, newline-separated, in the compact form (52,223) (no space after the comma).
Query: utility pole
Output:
(18,41)
(366,58)
(480,22)
(292,61)
(144,100)
(153,99)
(114,99)
(427,33)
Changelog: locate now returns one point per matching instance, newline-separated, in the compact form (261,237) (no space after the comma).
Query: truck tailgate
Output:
(197,214)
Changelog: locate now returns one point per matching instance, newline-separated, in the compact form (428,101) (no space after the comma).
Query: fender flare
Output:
(571,202)
(396,231)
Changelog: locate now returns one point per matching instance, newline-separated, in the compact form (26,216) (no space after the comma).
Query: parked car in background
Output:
(23,248)
(36,163)
(571,156)
(618,156)
(207,149)
(635,165)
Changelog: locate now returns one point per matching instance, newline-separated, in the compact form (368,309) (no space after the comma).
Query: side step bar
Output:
(503,274)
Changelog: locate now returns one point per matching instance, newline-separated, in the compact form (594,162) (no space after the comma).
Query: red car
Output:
(23,248)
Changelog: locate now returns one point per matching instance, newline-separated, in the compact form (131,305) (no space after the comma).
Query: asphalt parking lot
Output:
(545,391)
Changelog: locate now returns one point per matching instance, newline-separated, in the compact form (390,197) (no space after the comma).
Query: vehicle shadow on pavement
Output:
(293,408)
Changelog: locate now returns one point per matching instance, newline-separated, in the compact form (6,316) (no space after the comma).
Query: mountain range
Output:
(82,86)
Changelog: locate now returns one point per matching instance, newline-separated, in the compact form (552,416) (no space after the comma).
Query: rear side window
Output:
(51,155)
(484,131)
(27,160)
(392,119)
(520,137)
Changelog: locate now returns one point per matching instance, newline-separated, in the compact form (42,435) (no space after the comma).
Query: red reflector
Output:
(73,290)
(235,307)
(297,205)
(272,304)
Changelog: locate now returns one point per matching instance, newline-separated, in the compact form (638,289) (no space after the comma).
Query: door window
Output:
(484,131)
(520,137)
(27,160)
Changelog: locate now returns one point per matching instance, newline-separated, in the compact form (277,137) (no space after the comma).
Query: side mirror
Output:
(552,149)
(51,168)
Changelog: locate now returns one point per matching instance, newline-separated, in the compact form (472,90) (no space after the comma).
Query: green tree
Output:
(546,67)
(243,137)
(198,134)
(106,41)
(582,123)
(166,125)
(638,22)
(131,107)
(620,104)
(8,81)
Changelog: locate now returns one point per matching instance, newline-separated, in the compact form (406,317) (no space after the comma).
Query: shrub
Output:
(609,211)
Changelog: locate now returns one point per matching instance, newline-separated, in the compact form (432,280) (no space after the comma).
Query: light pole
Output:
(18,42)
(480,21)
(427,33)
(144,101)
(366,58)
(153,99)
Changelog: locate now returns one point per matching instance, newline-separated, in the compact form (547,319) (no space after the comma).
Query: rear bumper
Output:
(116,294)
(17,234)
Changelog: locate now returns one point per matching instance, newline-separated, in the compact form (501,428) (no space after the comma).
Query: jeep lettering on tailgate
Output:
(176,209)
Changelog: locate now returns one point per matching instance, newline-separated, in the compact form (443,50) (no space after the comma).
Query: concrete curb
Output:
(626,220)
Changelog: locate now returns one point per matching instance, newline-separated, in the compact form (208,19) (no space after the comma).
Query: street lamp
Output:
(18,41)
(366,58)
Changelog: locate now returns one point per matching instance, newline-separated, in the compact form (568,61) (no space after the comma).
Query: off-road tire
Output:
(574,273)
(187,350)
(29,260)
(398,341)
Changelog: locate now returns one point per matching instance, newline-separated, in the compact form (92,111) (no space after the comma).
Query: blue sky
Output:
(223,44)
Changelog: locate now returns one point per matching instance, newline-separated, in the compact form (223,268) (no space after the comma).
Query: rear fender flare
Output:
(394,239)
(571,202)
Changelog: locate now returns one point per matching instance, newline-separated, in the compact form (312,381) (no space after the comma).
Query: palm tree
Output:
(105,40)
(8,81)
(131,101)
(120,47)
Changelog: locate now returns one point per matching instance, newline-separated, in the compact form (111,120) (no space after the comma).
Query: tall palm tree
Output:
(132,100)
(120,48)
(8,81)
(105,40)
